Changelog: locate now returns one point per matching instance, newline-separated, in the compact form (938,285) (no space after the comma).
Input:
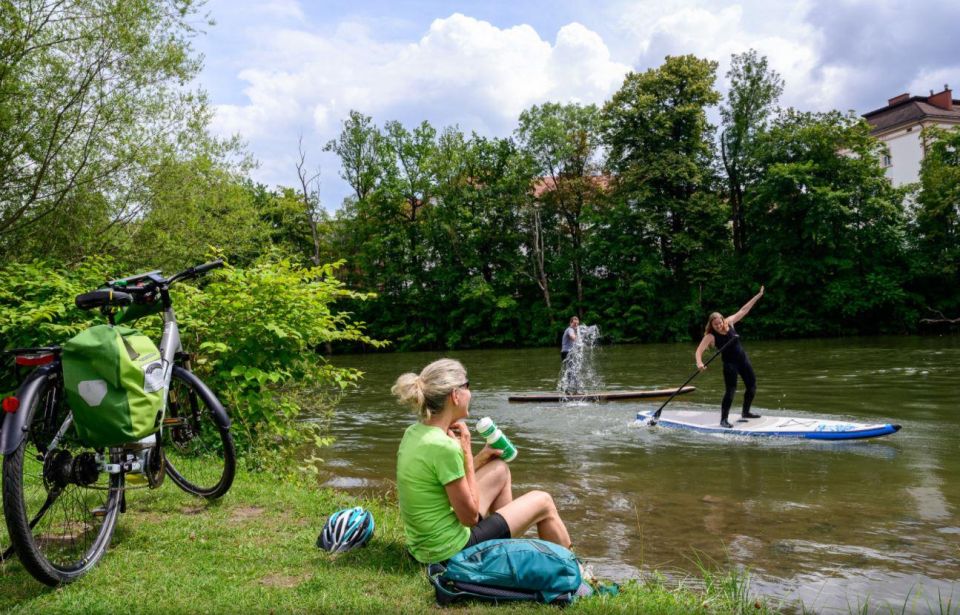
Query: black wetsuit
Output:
(735,361)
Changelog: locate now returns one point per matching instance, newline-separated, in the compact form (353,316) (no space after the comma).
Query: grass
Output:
(253,552)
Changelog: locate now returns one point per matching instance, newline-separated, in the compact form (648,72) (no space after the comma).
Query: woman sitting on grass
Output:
(449,499)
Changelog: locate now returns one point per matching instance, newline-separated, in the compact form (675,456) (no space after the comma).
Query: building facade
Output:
(899,125)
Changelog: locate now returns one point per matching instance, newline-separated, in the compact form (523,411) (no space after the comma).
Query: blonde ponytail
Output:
(426,393)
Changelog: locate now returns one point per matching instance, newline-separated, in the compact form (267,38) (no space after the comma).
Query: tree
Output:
(192,205)
(359,149)
(659,142)
(827,228)
(660,146)
(938,219)
(754,90)
(310,198)
(563,141)
(89,90)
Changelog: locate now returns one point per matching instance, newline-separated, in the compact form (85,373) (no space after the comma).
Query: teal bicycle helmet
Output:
(346,529)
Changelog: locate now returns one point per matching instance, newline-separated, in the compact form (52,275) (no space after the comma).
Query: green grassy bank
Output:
(253,552)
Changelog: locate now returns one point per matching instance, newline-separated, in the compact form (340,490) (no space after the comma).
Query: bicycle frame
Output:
(14,425)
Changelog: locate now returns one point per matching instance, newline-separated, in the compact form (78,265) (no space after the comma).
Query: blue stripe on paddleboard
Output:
(856,434)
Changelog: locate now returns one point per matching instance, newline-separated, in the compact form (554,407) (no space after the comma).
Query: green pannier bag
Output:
(113,377)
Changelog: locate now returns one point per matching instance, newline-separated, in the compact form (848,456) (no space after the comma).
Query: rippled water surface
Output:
(834,525)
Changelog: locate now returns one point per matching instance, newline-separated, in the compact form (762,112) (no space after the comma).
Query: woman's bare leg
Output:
(495,486)
(536,507)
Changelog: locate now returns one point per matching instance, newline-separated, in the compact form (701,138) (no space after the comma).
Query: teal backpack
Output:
(113,377)
(510,570)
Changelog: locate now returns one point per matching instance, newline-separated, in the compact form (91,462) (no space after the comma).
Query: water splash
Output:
(578,373)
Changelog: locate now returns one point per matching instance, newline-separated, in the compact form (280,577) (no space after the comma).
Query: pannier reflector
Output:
(10,404)
(32,360)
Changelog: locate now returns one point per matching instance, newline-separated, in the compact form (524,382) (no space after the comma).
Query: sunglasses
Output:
(465,385)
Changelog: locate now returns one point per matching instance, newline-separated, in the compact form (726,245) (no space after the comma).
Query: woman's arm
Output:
(463,499)
(707,341)
(745,309)
(462,493)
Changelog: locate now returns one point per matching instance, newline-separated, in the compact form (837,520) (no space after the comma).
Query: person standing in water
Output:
(720,333)
(569,338)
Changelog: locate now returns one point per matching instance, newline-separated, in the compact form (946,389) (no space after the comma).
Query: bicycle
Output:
(61,498)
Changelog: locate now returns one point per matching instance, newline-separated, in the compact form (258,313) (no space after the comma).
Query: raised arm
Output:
(745,309)
(707,341)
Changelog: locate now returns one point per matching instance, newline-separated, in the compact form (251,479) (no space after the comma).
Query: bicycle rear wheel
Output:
(200,454)
(60,509)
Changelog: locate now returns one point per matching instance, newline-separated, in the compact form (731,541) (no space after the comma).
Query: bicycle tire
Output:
(59,529)
(192,439)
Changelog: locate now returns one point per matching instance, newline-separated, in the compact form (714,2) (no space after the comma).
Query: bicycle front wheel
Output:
(60,507)
(200,454)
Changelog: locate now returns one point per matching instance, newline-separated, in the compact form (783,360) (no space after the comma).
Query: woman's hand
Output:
(459,432)
(760,294)
(486,455)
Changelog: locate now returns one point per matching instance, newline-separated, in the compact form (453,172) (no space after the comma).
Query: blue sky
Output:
(277,69)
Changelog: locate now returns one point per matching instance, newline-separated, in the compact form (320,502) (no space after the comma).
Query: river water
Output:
(838,527)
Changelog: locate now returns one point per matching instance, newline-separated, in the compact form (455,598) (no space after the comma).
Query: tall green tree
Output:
(660,146)
(89,91)
(191,206)
(564,142)
(753,94)
(827,229)
(938,220)
(359,148)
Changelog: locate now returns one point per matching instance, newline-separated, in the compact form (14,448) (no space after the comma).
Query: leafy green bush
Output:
(36,305)
(256,332)
(259,332)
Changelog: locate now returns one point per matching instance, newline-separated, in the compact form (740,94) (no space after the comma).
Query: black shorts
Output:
(491,528)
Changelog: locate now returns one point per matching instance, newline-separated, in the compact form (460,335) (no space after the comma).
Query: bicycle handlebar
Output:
(133,290)
(208,266)
(193,272)
(100,298)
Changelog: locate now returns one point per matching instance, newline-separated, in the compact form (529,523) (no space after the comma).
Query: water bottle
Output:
(495,438)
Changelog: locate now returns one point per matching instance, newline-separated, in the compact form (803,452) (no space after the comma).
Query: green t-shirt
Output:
(427,460)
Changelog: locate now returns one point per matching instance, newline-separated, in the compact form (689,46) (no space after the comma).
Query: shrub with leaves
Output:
(259,333)
(36,305)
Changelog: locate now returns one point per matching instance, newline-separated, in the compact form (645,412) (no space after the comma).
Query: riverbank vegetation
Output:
(254,552)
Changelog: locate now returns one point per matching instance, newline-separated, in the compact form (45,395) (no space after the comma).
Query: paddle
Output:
(656,415)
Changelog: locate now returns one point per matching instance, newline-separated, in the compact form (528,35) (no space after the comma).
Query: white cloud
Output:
(462,70)
(304,80)
(778,31)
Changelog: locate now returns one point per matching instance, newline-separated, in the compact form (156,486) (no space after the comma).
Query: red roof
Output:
(904,110)
(545,184)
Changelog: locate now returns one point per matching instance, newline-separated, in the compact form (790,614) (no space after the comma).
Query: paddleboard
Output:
(595,396)
(771,426)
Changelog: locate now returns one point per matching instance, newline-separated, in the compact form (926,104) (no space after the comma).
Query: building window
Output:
(886,161)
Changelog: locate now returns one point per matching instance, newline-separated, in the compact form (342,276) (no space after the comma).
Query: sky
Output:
(278,69)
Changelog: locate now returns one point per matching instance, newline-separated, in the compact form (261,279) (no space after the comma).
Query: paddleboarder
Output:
(720,333)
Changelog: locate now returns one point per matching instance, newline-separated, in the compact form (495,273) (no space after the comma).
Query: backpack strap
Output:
(448,592)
